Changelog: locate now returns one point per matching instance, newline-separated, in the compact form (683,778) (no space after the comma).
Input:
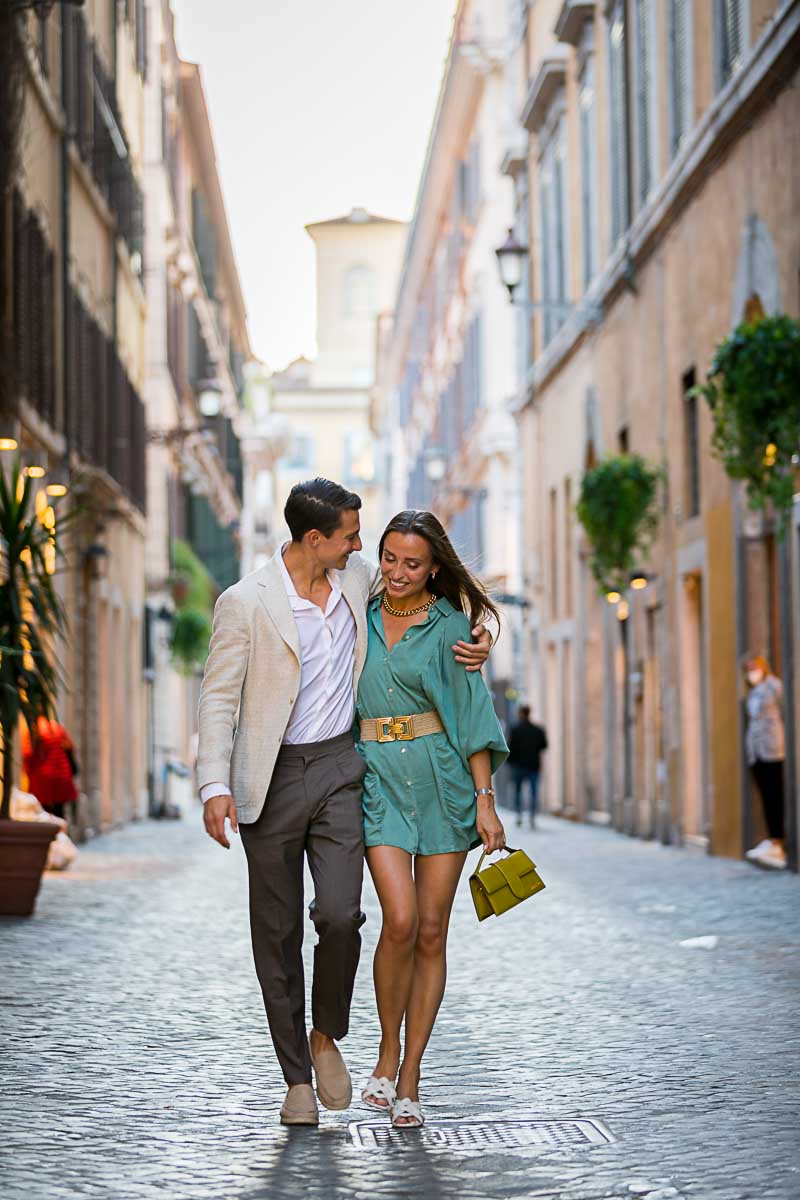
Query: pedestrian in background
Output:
(526,743)
(48,759)
(765,746)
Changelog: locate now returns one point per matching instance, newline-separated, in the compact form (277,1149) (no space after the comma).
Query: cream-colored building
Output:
(447,366)
(326,402)
(75,306)
(197,347)
(660,190)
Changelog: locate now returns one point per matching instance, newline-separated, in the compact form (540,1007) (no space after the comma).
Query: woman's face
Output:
(754,672)
(406,563)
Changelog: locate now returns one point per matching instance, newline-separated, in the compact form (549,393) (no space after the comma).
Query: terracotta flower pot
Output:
(23,854)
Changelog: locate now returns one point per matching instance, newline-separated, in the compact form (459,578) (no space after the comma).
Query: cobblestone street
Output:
(136,1061)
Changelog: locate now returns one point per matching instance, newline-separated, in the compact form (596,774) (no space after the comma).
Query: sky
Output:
(317,106)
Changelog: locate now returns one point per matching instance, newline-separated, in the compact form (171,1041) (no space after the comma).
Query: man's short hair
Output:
(318,504)
(524,712)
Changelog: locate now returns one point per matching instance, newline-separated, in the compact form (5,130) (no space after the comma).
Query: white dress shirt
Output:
(325,704)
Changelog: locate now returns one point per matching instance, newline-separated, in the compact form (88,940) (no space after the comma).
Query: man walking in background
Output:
(525,745)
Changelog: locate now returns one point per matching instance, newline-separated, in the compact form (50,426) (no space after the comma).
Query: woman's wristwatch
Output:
(488,791)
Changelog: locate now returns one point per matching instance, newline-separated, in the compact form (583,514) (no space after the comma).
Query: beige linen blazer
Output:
(252,677)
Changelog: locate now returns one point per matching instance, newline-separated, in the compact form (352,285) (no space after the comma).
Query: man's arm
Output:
(220,696)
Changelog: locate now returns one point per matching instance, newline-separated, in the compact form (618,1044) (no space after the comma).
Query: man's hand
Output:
(473,655)
(215,811)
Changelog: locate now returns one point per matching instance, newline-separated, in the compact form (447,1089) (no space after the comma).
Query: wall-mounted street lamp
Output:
(435,461)
(511,259)
(209,392)
(95,560)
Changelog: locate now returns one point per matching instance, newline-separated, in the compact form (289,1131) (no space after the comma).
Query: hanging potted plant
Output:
(194,607)
(31,618)
(753,391)
(618,509)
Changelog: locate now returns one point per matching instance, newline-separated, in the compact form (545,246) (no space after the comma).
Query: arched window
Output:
(359,297)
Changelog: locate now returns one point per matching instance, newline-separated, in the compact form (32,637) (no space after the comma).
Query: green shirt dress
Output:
(419,795)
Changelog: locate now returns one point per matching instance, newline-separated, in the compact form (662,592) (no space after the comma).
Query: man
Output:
(276,710)
(526,743)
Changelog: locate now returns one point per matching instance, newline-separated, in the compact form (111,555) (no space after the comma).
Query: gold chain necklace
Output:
(406,612)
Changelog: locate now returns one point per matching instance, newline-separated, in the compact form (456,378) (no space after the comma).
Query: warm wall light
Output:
(623,611)
(8,444)
(41,504)
(613,597)
(56,489)
(35,472)
(638,582)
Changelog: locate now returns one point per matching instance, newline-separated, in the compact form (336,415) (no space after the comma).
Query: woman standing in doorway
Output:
(431,740)
(765,754)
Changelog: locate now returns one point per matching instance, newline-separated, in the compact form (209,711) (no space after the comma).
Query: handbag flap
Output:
(518,872)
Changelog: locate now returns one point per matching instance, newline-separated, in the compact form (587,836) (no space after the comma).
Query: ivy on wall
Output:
(618,509)
(753,391)
(193,592)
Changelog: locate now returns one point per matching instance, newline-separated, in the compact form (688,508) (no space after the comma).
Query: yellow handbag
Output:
(503,884)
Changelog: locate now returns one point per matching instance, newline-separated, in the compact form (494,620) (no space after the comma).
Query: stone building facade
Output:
(74,303)
(197,348)
(446,352)
(658,193)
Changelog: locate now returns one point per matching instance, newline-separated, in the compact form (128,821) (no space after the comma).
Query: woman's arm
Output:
(490,827)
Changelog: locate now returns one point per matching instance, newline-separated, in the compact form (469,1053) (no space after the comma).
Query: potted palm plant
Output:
(31,619)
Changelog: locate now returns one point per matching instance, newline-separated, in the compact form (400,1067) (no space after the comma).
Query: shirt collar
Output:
(288,582)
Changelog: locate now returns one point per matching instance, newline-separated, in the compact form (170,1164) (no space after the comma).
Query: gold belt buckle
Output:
(392,729)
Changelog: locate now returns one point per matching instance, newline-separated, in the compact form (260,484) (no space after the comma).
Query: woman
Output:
(765,753)
(431,741)
(48,759)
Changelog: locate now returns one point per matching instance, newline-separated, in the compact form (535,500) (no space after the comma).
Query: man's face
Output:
(334,551)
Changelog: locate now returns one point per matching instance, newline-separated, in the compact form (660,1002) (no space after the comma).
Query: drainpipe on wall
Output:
(786,618)
(69,135)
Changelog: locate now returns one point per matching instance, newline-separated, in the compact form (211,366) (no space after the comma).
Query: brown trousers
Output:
(313,807)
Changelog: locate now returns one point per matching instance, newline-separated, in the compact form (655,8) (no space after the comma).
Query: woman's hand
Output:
(490,827)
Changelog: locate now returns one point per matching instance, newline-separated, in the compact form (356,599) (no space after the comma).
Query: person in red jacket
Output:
(49,762)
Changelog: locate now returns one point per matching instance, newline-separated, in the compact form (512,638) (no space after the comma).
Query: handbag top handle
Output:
(508,849)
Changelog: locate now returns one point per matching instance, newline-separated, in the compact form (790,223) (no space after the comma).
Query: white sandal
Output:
(407,1108)
(382,1086)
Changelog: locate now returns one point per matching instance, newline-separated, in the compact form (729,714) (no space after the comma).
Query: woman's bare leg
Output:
(390,868)
(436,880)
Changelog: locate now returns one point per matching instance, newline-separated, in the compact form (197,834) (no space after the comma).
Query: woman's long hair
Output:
(453,580)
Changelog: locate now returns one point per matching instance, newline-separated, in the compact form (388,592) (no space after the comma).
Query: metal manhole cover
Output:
(484,1135)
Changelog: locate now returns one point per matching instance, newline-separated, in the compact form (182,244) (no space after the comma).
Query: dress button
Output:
(390,691)
(403,750)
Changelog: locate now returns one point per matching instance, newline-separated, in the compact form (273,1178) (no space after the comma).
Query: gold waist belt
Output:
(401,729)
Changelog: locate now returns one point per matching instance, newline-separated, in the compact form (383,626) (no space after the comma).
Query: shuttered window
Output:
(646,114)
(552,204)
(618,110)
(33,301)
(731,37)
(588,145)
(140,35)
(681,72)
